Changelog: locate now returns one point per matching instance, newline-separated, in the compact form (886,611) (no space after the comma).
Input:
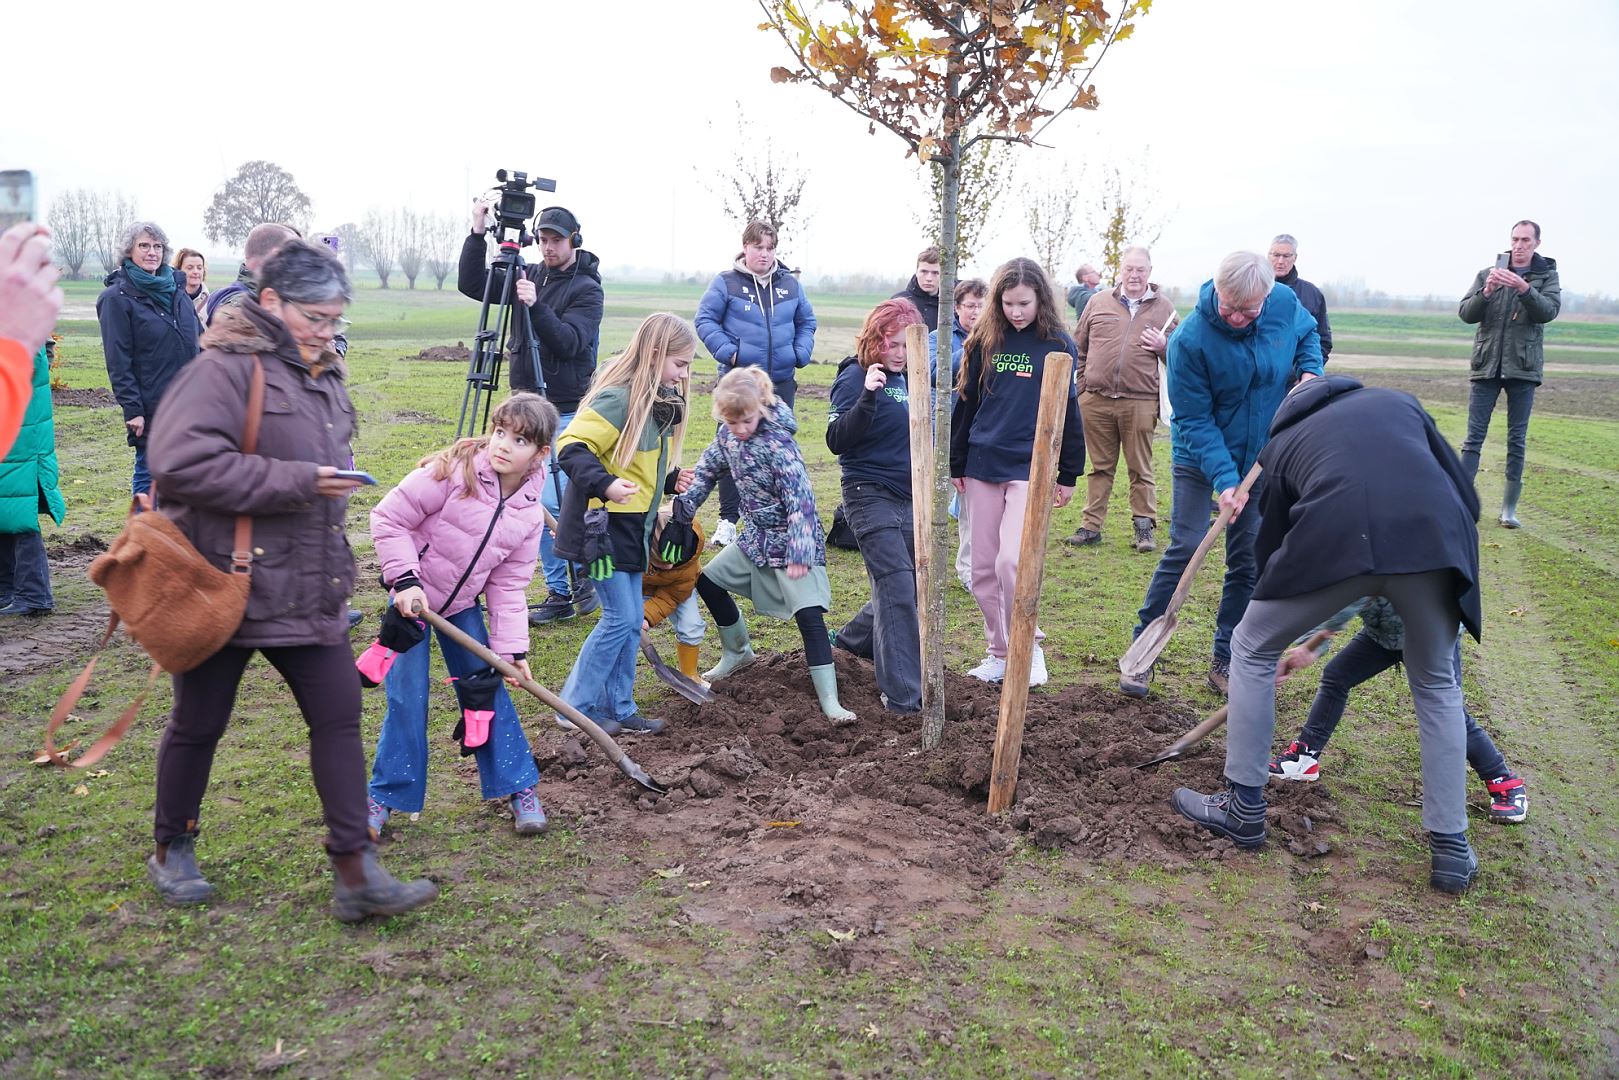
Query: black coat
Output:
(566,320)
(1358,480)
(145,346)
(927,304)
(1315,304)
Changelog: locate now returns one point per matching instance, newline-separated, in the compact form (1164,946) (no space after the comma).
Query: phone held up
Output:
(16,197)
(1503,261)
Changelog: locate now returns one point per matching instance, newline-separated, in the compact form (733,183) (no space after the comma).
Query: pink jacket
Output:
(430,528)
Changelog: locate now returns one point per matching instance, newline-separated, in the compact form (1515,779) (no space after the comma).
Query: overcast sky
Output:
(1397,140)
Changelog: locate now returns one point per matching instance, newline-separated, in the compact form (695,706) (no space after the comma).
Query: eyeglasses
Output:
(337,322)
(1251,313)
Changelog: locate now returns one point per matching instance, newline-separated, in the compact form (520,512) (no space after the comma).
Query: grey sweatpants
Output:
(1427,604)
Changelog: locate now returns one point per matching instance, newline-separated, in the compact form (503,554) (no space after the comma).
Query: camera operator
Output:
(563,298)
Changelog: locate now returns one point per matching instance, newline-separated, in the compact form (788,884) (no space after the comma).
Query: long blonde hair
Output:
(528,415)
(639,369)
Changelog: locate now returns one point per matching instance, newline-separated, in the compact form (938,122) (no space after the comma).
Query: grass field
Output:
(574,956)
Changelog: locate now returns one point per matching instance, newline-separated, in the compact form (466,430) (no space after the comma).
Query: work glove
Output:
(476,693)
(398,635)
(678,541)
(595,545)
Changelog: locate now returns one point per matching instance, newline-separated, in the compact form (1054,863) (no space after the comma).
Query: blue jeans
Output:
(1481,399)
(886,628)
(25,572)
(142,479)
(1188,524)
(1363,659)
(399,773)
(602,682)
(555,569)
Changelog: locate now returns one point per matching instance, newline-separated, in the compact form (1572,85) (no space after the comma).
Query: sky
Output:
(1398,141)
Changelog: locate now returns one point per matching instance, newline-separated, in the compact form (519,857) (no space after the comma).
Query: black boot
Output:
(1224,815)
(379,893)
(176,878)
(1454,865)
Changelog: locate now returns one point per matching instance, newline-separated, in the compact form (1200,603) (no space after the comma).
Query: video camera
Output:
(517,201)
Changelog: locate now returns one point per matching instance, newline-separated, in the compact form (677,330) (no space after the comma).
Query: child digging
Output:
(779,559)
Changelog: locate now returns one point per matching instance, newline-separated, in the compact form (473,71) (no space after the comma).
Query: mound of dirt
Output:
(457,352)
(777,810)
(96,397)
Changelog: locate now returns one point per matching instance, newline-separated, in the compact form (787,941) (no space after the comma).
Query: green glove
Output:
(601,569)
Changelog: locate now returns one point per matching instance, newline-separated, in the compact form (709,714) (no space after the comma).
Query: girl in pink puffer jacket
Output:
(466,522)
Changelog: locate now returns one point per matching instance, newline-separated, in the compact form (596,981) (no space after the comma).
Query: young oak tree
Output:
(944,76)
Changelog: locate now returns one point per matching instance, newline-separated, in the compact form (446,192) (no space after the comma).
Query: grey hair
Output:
(132,232)
(1285,238)
(1243,276)
(305,273)
(1125,254)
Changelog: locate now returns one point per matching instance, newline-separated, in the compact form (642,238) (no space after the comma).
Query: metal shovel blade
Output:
(1191,738)
(678,681)
(1143,651)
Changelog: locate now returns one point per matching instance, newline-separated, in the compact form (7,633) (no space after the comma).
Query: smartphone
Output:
(16,197)
(355,474)
(1503,261)
(333,241)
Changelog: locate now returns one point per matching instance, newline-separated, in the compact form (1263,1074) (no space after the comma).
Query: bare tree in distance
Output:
(442,241)
(110,211)
(985,170)
(379,241)
(1124,213)
(411,246)
(72,229)
(1051,210)
(763,182)
(260,192)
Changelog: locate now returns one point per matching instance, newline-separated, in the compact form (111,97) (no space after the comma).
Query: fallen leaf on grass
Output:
(1315,905)
(81,790)
(841,935)
(1425,1005)
(671,872)
(870,1031)
(695,885)
(42,758)
(781,824)
(1348,1056)
(1461,992)
(1517,612)
(99,773)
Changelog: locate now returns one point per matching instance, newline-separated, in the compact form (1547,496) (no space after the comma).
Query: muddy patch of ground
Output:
(457,352)
(805,390)
(94,397)
(777,818)
(35,643)
(413,416)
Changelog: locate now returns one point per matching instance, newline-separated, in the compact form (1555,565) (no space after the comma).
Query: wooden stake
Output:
(1031,569)
(919,386)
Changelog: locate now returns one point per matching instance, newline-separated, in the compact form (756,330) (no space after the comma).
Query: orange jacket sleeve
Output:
(16,388)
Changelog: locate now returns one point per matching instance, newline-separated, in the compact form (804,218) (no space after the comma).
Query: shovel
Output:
(681,683)
(1143,652)
(580,720)
(1207,727)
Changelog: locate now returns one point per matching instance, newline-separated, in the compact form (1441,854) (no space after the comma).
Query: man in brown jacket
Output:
(1122,336)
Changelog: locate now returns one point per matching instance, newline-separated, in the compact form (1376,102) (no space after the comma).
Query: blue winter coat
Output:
(28,473)
(145,346)
(744,322)
(1225,384)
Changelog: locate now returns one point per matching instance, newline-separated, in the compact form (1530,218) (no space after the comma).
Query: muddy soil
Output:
(96,397)
(776,817)
(35,643)
(805,390)
(457,352)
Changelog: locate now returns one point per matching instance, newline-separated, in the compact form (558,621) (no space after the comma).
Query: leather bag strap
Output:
(241,556)
(70,697)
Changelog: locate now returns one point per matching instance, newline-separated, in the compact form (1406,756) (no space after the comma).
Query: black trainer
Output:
(1223,815)
(1454,865)
(585,599)
(556,608)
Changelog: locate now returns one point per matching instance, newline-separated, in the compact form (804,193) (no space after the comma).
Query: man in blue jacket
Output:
(1229,366)
(755,315)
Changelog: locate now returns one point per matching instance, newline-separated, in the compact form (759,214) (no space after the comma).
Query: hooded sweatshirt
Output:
(870,430)
(764,322)
(992,424)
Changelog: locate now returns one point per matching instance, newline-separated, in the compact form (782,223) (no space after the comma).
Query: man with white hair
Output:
(1284,255)
(1229,367)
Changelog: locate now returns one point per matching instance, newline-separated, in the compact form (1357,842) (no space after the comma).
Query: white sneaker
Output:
(1037,668)
(991,670)
(724,534)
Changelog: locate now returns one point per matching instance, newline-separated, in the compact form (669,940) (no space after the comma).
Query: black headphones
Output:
(574,238)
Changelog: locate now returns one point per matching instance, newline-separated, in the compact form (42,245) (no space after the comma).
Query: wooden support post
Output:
(929,609)
(1031,569)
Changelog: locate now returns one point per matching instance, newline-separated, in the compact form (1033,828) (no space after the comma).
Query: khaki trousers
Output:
(1112,424)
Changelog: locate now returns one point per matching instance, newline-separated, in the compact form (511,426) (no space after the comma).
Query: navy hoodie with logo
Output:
(870,430)
(992,425)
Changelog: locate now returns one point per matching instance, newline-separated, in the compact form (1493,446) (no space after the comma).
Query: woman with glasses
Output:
(149,331)
(1229,366)
(302,568)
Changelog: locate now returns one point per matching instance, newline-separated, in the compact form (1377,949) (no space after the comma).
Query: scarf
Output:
(160,286)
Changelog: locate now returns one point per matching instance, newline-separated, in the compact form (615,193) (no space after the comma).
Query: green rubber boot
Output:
(825,680)
(738,653)
(1509,504)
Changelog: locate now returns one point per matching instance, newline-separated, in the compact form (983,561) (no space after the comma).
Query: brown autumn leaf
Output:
(780,75)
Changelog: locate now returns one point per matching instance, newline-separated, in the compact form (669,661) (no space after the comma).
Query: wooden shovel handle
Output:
(1202,552)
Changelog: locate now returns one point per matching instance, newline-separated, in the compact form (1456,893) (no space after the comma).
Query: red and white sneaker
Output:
(1299,763)
(1509,799)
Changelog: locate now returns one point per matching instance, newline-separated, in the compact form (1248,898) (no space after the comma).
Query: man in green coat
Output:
(1509,302)
(28,489)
